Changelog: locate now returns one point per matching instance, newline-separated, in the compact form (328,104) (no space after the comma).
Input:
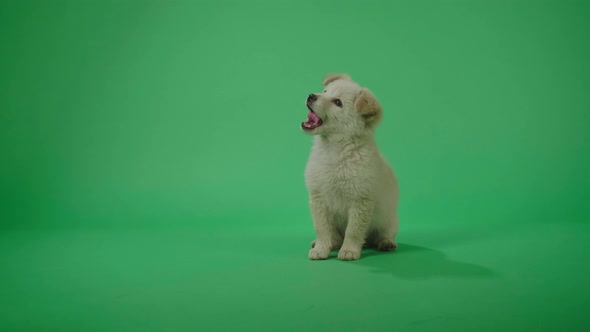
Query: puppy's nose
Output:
(312,97)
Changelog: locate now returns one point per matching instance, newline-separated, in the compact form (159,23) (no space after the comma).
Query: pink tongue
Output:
(312,118)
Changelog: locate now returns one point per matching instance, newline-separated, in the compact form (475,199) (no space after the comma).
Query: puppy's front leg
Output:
(324,226)
(359,217)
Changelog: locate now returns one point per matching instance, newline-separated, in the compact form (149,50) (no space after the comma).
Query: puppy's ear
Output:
(333,77)
(367,105)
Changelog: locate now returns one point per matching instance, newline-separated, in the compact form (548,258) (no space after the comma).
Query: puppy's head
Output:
(343,108)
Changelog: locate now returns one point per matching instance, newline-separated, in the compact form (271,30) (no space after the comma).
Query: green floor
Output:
(528,278)
(151,165)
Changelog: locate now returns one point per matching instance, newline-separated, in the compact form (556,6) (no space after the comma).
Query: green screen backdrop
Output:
(151,174)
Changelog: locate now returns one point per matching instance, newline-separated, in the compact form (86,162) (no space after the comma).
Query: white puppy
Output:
(353,192)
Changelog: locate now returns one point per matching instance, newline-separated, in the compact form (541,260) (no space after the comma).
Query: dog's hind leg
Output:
(386,232)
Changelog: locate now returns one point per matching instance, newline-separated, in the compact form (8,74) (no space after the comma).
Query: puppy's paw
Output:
(318,253)
(346,254)
(386,245)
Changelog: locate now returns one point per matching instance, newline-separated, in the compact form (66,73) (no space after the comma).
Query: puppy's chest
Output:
(339,178)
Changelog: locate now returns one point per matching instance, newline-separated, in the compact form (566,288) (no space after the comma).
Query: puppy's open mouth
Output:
(313,120)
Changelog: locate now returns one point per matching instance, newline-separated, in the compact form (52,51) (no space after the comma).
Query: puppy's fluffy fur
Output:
(353,192)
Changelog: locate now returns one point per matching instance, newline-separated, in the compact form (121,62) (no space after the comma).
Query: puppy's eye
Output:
(338,102)
(324,91)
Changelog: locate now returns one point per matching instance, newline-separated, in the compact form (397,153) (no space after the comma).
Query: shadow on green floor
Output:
(414,262)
